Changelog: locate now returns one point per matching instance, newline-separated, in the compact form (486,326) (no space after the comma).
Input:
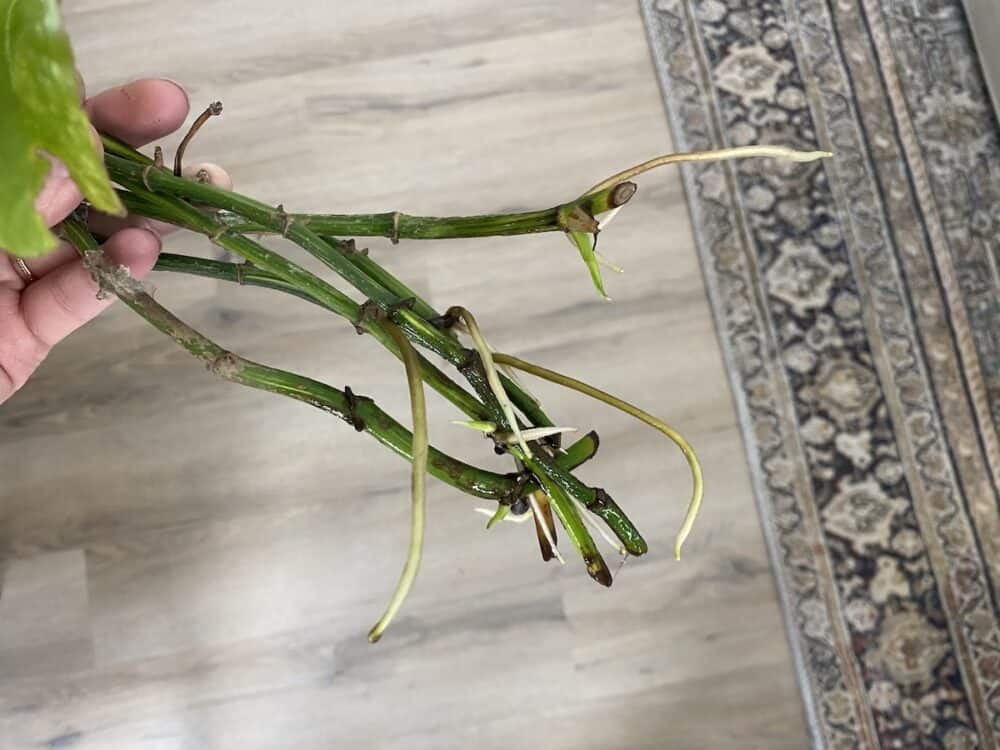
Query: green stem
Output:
(399,290)
(161,197)
(118,147)
(178,212)
(152,183)
(596,500)
(579,452)
(304,230)
(359,411)
(399,226)
(698,486)
(577,531)
(137,204)
(394,225)
(243,273)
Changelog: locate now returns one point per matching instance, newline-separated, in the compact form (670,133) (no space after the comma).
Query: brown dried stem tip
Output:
(622,194)
(212,110)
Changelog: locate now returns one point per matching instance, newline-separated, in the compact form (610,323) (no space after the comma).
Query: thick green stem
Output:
(577,531)
(243,273)
(399,226)
(178,212)
(154,184)
(396,226)
(249,215)
(158,190)
(359,411)
(400,290)
(596,500)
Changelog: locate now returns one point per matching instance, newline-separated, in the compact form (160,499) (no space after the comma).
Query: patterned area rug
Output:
(857,305)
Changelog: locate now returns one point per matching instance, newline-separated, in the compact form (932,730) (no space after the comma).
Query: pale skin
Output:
(61,297)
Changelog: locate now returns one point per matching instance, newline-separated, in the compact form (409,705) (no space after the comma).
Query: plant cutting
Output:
(40,114)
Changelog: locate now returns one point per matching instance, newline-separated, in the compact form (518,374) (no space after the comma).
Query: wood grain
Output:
(193,565)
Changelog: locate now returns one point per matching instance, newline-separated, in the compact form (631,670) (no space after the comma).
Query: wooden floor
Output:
(194,565)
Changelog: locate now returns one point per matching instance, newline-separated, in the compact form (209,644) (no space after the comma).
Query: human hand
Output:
(43,300)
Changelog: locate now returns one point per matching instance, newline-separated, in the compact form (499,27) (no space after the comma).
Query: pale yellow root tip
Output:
(697,479)
(719,154)
(697,490)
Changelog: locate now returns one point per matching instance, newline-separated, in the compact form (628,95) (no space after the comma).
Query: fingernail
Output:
(179,86)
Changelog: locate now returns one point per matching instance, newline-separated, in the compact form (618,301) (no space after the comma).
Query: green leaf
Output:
(502,511)
(40,111)
(585,243)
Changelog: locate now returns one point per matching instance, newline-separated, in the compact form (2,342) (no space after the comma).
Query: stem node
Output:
(353,418)
(286,219)
(394,239)
(241,271)
(226,365)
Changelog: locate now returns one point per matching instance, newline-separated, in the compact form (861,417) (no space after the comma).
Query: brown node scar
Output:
(352,404)
(286,219)
(349,247)
(446,321)
(369,310)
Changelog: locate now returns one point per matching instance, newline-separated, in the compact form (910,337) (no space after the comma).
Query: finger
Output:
(20,352)
(209,173)
(66,298)
(139,112)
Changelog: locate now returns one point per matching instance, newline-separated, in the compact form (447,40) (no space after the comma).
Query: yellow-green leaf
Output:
(40,111)
(585,243)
